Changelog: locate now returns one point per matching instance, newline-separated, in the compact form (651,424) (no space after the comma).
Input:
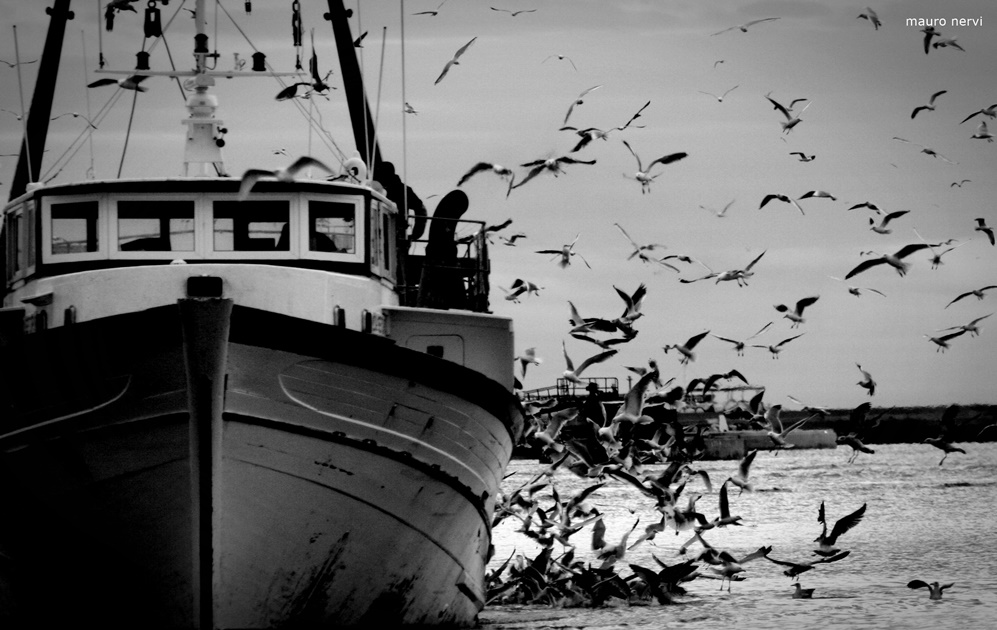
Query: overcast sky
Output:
(505,102)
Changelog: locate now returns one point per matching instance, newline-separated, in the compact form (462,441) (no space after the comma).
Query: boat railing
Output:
(445,271)
(605,387)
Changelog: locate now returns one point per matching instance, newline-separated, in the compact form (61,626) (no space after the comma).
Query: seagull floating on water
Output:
(800,592)
(935,589)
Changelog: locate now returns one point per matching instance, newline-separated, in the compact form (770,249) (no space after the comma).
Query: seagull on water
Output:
(826,541)
(881,228)
(643,175)
(800,592)
(873,19)
(930,106)
(895,260)
(454,61)
(795,314)
(253,175)
(977,292)
(780,197)
(686,350)
(744,27)
(935,589)
(981,226)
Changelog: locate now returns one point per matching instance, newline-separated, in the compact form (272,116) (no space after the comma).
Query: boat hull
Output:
(205,465)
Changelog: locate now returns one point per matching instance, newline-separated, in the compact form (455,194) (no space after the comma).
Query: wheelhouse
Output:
(95,225)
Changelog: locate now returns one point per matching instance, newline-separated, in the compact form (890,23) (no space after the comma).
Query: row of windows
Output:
(170,226)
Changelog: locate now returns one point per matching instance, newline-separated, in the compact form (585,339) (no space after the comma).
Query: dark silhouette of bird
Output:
(870,15)
(253,175)
(127,83)
(930,106)
(825,542)
(454,60)
(935,589)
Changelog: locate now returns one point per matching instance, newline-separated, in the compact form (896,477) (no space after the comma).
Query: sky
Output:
(505,103)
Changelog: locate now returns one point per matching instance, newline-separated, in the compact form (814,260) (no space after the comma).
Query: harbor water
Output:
(923,521)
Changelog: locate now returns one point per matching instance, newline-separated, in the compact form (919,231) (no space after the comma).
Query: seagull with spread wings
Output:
(930,105)
(825,542)
(744,27)
(548,164)
(791,119)
(870,15)
(578,101)
(454,61)
(565,253)
(775,349)
(895,260)
(927,150)
(643,175)
(977,292)
(783,198)
(685,350)
(795,314)
(738,344)
(253,175)
(720,99)
(573,373)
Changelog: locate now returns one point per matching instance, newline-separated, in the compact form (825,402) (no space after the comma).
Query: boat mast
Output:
(363,124)
(203,148)
(41,102)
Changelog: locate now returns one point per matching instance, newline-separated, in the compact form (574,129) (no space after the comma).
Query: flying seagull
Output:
(866,383)
(894,260)
(780,197)
(930,106)
(720,99)
(791,120)
(881,228)
(982,133)
(578,101)
(549,164)
(826,541)
(253,175)
(989,112)
(803,157)
(643,176)
(871,16)
(454,61)
(127,83)
(981,226)
(795,314)
(744,27)
(977,292)
(926,150)
(562,58)
(513,13)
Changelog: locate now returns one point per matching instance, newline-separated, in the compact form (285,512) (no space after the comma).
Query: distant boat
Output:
(214,413)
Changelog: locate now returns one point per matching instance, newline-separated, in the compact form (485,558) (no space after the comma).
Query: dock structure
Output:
(725,437)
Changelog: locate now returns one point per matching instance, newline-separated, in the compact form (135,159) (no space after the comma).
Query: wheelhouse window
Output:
(252,226)
(74,227)
(156,226)
(331,227)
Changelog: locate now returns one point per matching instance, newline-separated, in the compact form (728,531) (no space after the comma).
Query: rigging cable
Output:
(377,107)
(91,172)
(404,135)
(24,117)
(328,140)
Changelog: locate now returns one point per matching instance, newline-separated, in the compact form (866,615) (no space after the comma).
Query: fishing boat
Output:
(221,409)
